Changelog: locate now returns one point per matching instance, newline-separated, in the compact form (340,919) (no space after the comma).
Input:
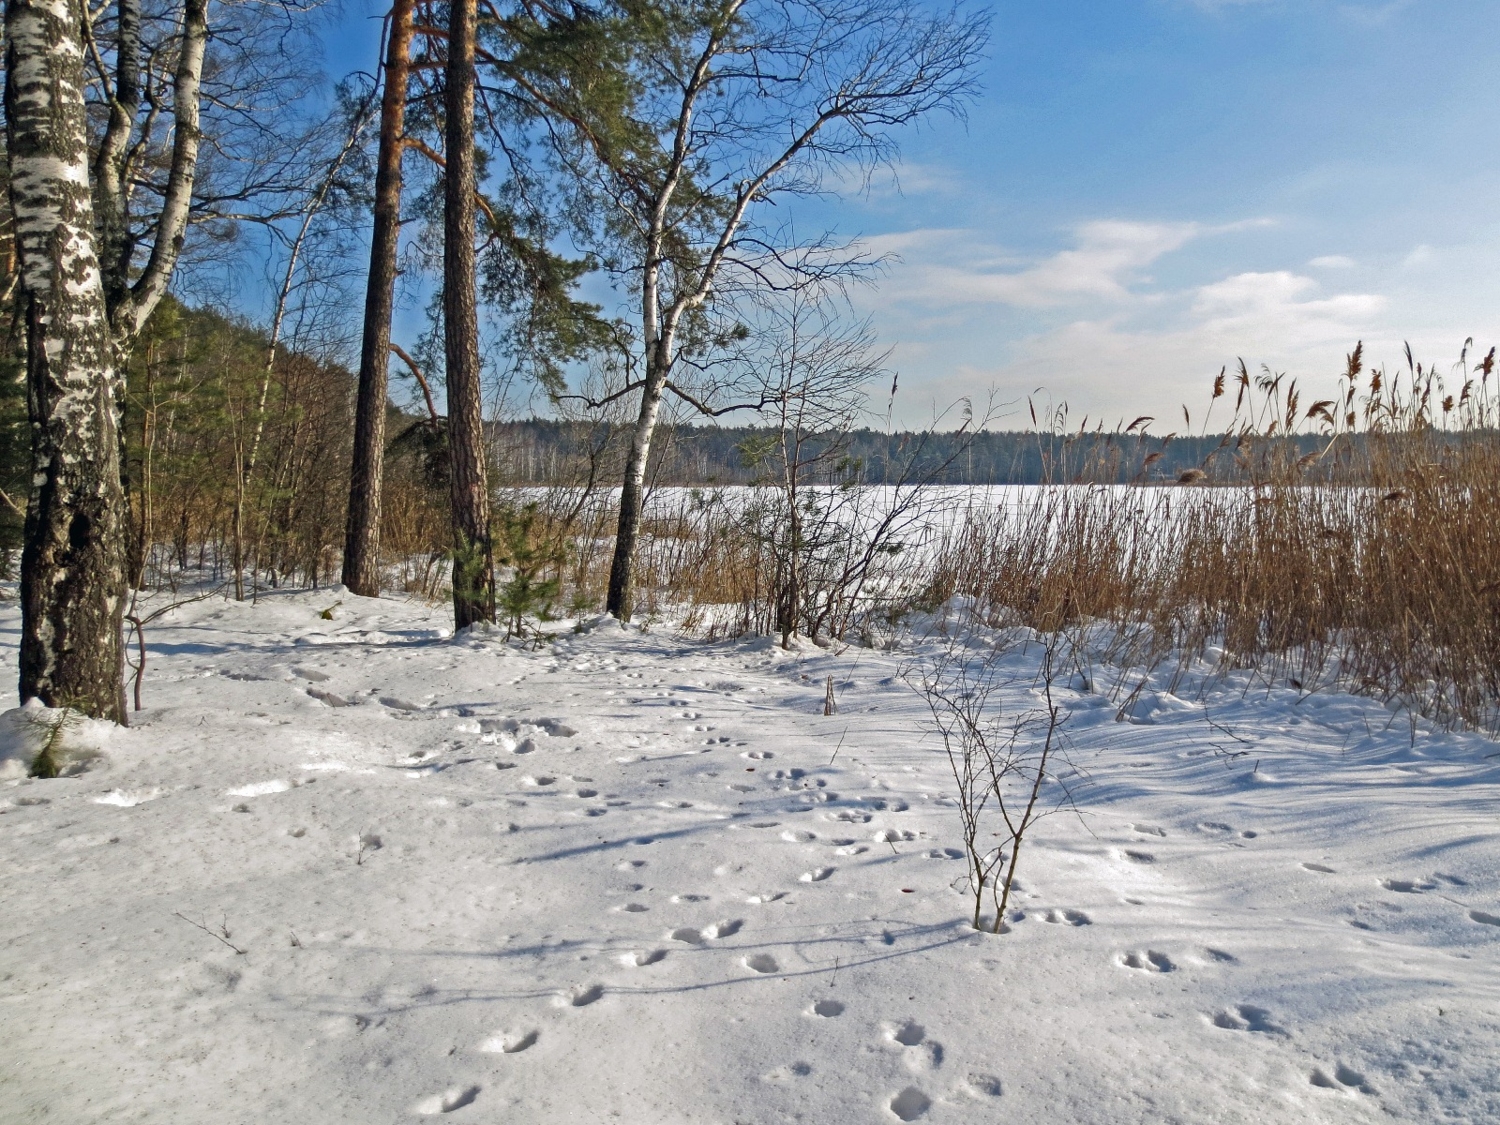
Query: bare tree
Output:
(736,105)
(817,371)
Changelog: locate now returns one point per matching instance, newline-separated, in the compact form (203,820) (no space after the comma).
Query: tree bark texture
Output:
(362,531)
(473,555)
(620,599)
(73,564)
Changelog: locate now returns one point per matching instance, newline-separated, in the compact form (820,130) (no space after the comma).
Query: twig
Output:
(219,935)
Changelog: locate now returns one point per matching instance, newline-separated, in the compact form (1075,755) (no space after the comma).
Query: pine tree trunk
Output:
(473,558)
(362,532)
(73,564)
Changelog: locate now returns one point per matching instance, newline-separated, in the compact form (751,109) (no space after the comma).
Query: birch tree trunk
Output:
(362,531)
(620,600)
(473,561)
(73,564)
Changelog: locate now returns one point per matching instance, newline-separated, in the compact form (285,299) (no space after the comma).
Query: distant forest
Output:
(541,451)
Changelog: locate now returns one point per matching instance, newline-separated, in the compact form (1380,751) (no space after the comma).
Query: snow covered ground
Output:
(634,878)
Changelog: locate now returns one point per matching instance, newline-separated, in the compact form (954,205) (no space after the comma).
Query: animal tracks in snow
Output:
(447,1101)
(690,935)
(1066,917)
(1343,1080)
(907,1033)
(642,958)
(509,1042)
(583,995)
(1148,960)
(1246,1017)
(910,1104)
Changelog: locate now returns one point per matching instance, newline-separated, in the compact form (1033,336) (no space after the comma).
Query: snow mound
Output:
(77,742)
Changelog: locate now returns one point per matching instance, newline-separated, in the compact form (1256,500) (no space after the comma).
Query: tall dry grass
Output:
(1372,564)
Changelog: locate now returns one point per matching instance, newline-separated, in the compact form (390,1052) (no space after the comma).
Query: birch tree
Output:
(73,562)
(101,221)
(735,106)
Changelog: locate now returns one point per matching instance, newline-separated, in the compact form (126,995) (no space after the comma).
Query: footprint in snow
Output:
(982,1086)
(758,755)
(634,908)
(724,928)
(762,963)
(1246,1017)
(1139,857)
(816,875)
(447,1101)
(1321,869)
(689,898)
(1067,917)
(642,958)
(1148,830)
(1148,960)
(798,836)
(828,1009)
(686,934)
(1484,918)
(1406,886)
(910,1104)
(583,995)
(907,1033)
(1344,1079)
(509,1042)
(764,897)
(945,853)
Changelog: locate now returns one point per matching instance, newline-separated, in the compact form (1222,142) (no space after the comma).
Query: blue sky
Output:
(1147,189)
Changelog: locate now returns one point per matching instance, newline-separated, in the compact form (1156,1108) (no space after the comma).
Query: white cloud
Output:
(1278,311)
(1421,255)
(1127,346)
(953,266)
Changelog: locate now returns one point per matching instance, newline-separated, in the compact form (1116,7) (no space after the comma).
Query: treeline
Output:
(543,451)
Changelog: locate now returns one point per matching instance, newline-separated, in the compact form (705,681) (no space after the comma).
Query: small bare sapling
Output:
(1000,763)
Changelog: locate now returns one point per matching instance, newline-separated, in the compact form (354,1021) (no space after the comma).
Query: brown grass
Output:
(1374,565)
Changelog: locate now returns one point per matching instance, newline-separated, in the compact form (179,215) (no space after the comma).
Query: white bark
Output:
(73,565)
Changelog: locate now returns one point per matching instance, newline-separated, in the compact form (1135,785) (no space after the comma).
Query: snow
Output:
(627,876)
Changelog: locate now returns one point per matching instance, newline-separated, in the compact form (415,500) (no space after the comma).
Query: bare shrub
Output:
(1000,763)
